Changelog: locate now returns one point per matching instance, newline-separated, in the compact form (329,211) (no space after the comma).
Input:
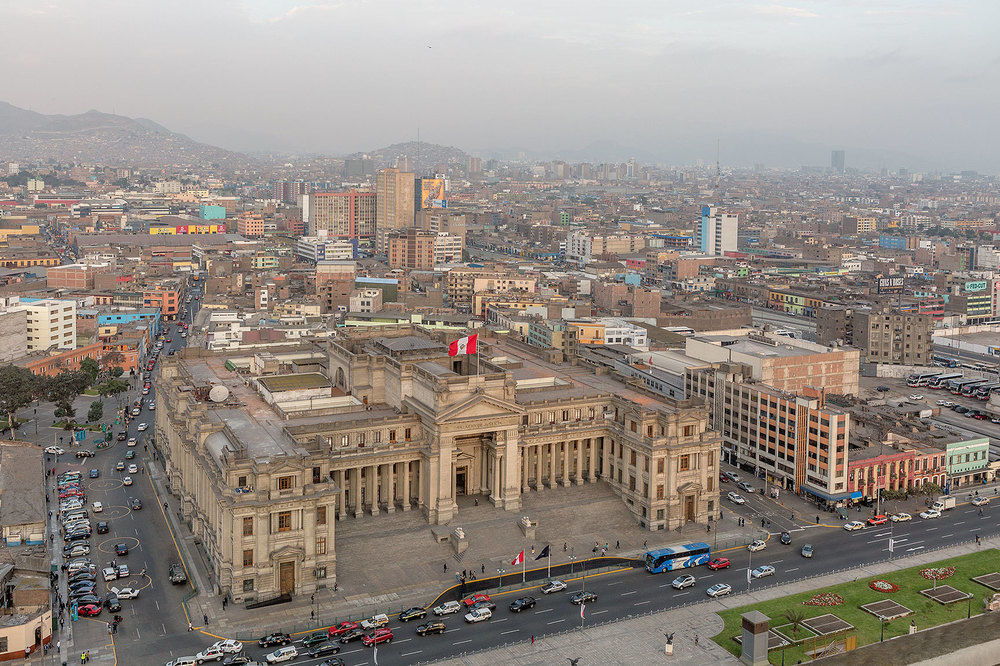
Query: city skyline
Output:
(778,84)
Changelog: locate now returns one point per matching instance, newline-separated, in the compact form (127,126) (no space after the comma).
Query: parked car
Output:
(743,485)
(127,481)
(341,628)
(718,590)
(447,608)
(94,473)
(761,571)
(679,583)
(121,549)
(521,603)
(177,576)
(415,613)
(351,635)
(553,586)
(111,603)
(900,517)
(109,573)
(132,593)
(719,563)
(432,627)
(89,610)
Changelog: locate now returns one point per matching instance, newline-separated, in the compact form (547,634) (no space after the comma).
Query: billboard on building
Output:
(432,193)
(887,285)
(976,286)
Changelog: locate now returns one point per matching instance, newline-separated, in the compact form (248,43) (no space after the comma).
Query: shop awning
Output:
(856,495)
(826,496)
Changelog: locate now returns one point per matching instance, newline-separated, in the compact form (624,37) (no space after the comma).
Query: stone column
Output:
(592,475)
(405,469)
(356,490)
(551,446)
(388,492)
(538,467)
(338,478)
(565,476)
(606,456)
(372,487)
(579,462)
(525,457)
(421,478)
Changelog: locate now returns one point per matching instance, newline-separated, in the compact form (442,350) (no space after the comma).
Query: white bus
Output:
(941,381)
(922,379)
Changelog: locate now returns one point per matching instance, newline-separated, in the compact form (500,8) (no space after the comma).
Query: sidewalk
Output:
(641,639)
(567,519)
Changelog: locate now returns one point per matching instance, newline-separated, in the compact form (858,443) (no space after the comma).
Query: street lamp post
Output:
(501,572)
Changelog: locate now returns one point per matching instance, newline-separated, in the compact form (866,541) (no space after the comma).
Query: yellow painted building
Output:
(22,229)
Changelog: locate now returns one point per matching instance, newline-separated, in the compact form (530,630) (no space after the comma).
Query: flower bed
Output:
(825,599)
(938,573)
(880,585)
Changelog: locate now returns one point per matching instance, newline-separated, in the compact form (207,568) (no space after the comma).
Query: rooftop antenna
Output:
(718,143)
(416,163)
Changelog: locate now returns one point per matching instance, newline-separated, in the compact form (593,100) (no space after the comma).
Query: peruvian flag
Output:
(582,607)
(466,345)
(520,556)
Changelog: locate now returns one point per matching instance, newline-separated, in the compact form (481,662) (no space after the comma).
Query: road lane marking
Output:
(544,610)
(961,522)
(639,603)
(556,621)
(791,570)
(913,549)
(931,529)
(681,594)
(407,654)
(617,582)
(665,585)
(404,640)
(509,631)
(625,594)
(461,642)
(504,619)
(599,612)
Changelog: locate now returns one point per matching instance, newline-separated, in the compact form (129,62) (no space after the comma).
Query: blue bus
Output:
(678,557)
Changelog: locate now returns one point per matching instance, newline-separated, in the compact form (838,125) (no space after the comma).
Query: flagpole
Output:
(548,568)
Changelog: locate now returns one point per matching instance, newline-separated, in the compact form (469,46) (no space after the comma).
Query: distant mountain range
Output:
(424,156)
(102,138)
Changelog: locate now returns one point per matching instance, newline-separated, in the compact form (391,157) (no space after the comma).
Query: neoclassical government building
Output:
(373,422)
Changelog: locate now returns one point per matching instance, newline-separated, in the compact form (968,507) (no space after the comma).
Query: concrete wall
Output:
(14,333)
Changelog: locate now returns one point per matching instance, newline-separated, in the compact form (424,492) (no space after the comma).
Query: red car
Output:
(719,563)
(90,610)
(880,519)
(342,628)
(723,477)
(380,636)
(475,599)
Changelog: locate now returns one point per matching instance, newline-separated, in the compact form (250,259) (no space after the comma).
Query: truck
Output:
(944,502)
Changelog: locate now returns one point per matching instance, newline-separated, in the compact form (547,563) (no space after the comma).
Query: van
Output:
(75,515)
(182,661)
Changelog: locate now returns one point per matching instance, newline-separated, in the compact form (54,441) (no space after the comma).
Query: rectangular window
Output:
(406,434)
(632,426)
(321,545)
(248,527)
(285,482)
(284,521)
(248,584)
(632,457)
(688,430)
(321,515)
(392,435)
(316,475)
(659,466)
(711,483)
(659,492)
(711,459)
(241,482)
(377,437)
(685,463)
(248,557)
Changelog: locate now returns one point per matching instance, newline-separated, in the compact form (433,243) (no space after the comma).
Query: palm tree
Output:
(795,618)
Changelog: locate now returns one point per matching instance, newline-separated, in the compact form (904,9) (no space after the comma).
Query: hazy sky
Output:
(920,78)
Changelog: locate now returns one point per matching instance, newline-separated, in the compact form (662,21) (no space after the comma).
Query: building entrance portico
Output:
(461,485)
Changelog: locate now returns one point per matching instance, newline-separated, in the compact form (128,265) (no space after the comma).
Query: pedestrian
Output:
(618,544)
(190,628)
(565,545)
(312,615)
(977,539)
(83,657)
(463,573)
(477,501)
(532,639)
(335,587)
(696,639)
(483,570)
(606,547)
(817,517)
(445,567)
(223,603)
(644,545)
(205,617)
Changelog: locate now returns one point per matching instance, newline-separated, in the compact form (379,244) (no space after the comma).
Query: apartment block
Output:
(350,214)
(394,207)
(412,248)
(894,338)
(717,232)
(51,323)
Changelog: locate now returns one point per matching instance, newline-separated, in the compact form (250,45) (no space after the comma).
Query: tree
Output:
(117,371)
(91,368)
(795,618)
(63,389)
(96,411)
(113,358)
(112,387)
(18,387)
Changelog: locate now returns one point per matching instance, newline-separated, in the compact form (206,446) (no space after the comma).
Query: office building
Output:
(412,248)
(288,191)
(51,323)
(717,232)
(394,207)
(838,160)
(350,214)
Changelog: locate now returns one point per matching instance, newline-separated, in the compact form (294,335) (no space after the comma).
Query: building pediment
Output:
(479,406)
(689,487)
(288,553)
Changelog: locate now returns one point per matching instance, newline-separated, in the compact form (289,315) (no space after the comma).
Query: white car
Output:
(142,426)
(286,653)
(98,507)
(756,545)
(127,481)
(760,572)
(718,590)
(478,615)
(229,646)
(133,469)
(211,653)
(943,403)
(109,573)
(735,497)
(55,450)
(930,513)
(132,593)
(916,396)
(679,583)
(553,586)
(375,621)
(900,517)
(152,407)
(131,440)
(123,571)
(979,501)
(854,525)
(449,607)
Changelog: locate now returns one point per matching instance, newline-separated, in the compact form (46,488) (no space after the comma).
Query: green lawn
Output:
(927,613)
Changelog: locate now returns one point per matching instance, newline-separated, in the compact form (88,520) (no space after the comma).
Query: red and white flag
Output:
(519,559)
(582,606)
(466,345)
